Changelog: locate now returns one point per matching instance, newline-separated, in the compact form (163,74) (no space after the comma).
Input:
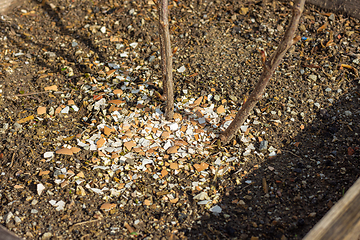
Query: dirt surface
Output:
(86,154)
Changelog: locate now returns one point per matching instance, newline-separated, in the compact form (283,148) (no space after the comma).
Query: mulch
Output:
(86,151)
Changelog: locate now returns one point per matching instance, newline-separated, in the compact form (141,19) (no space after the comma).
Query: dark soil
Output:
(309,115)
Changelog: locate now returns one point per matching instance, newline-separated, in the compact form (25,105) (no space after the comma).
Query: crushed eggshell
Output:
(129,145)
(198,101)
(147,202)
(48,154)
(108,206)
(108,130)
(216,210)
(201,167)
(118,91)
(81,175)
(100,142)
(220,109)
(172,149)
(51,88)
(41,110)
(64,151)
(164,172)
(43,173)
(75,149)
(40,188)
(174,166)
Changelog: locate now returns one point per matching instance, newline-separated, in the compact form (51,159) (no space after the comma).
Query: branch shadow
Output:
(19,37)
(285,196)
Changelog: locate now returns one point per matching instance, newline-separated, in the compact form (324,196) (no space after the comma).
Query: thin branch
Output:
(166,59)
(85,222)
(269,67)
(26,94)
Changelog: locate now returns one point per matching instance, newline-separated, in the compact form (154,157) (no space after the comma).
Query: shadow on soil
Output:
(290,193)
(22,39)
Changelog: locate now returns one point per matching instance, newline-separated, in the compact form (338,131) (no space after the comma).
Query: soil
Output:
(67,55)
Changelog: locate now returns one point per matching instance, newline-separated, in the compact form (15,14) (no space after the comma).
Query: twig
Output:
(12,160)
(311,159)
(269,68)
(166,58)
(290,153)
(102,40)
(26,94)
(187,177)
(238,171)
(85,222)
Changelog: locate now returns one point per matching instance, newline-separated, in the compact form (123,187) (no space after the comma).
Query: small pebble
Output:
(151,58)
(17,126)
(232,97)
(51,111)
(313,214)
(247,197)
(272,154)
(312,77)
(8,217)
(215,209)
(46,236)
(181,69)
(133,45)
(17,219)
(348,113)
(302,27)
(263,145)
(51,54)
(34,211)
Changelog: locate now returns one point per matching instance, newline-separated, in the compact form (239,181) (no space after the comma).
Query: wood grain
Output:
(7,235)
(350,7)
(342,222)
